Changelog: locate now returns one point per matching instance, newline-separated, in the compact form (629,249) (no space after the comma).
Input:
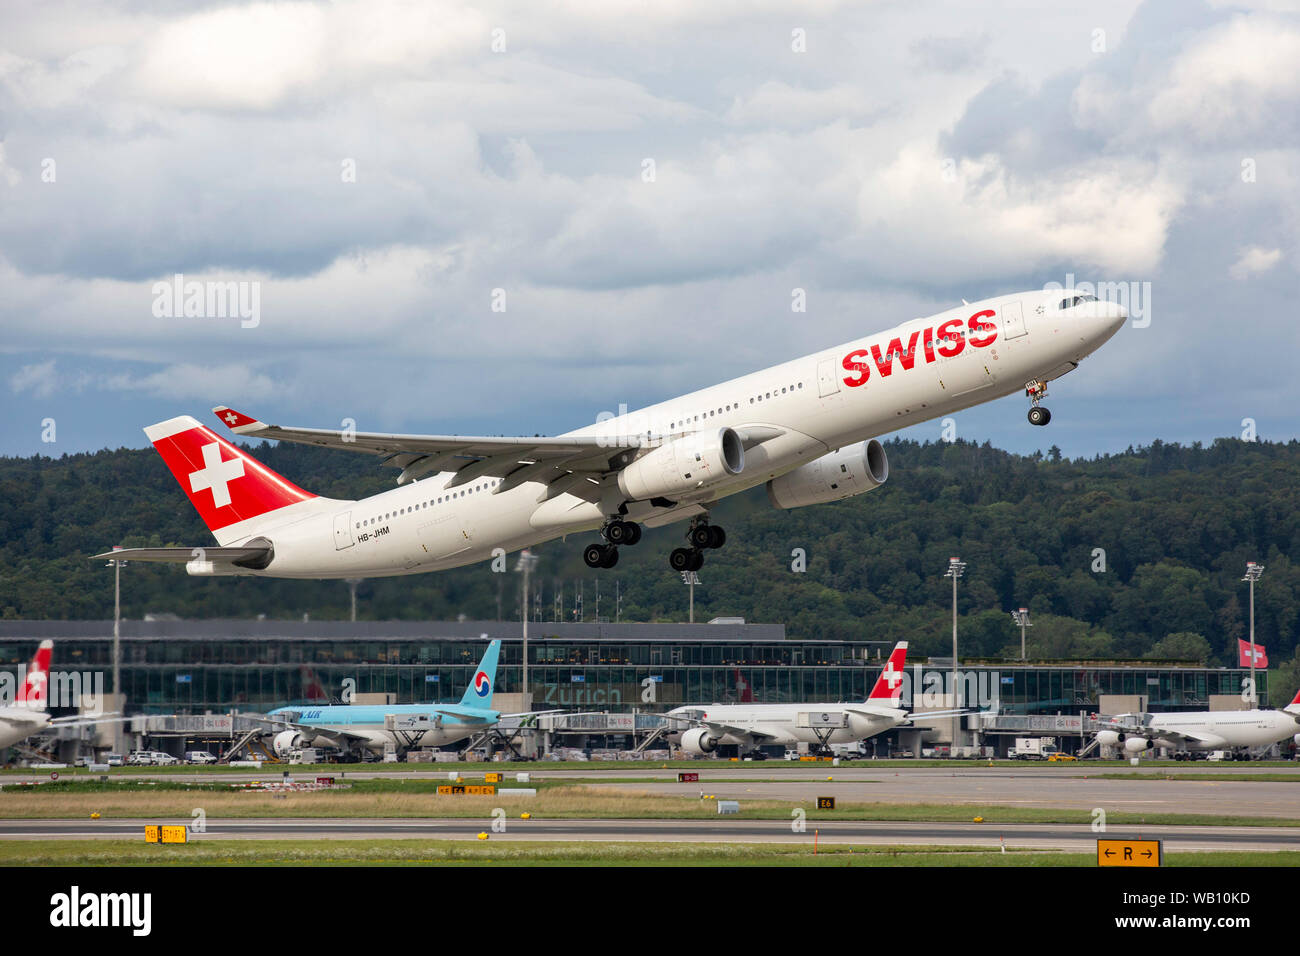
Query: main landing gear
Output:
(701,535)
(1037,390)
(615,532)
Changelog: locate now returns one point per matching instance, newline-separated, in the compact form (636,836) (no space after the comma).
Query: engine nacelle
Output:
(1109,738)
(684,465)
(699,741)
(287,741)
(841,474)
(1135,745)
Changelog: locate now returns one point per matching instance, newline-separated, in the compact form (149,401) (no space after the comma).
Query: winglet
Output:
(237,422)
(889,685)
(479,692)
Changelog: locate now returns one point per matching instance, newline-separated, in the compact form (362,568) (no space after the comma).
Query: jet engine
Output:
(1135,745)
(841,474)
(699,741)
(1109,738)
(684,465)
(287,741)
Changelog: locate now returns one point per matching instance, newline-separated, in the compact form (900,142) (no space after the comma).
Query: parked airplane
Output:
(806,428)
(1198,730)
(751,726)
(373,727)
(28,714)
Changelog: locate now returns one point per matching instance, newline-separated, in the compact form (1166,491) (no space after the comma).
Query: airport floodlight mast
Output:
(526,563)
(1253,573)
(353,583)
(956,568)
(1021,617)
(117,645)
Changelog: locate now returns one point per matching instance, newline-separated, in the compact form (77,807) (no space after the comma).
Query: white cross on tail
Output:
(216,474)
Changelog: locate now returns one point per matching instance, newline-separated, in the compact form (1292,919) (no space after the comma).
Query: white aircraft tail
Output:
(889,685)
(34,693)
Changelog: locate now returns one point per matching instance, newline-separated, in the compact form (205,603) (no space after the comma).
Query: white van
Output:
(200,756)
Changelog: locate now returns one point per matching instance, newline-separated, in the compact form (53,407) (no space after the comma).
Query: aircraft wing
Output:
(461,718)
(86,721)
(719,728)
(1200,740)
(517,460)
(337,737)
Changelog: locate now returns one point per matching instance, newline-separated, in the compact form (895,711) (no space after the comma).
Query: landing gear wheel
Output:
(680,559)
(697,559)
(594,555)
(611,557)
(700,536)
(1039,415)
(622,532)
(717,537)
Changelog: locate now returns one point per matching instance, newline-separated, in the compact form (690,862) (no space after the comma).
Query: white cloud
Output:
(1254,261)
(1235,79)
(39,379)
(191,381)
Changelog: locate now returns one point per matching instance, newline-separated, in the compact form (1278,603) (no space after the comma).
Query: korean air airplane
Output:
(353,726)
(807,429)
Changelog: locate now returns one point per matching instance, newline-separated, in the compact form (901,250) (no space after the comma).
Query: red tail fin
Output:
(889,685)
(225,485)
(35,688)
(1295,702)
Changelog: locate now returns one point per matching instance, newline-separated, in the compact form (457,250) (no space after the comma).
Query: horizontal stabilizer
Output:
(247,557)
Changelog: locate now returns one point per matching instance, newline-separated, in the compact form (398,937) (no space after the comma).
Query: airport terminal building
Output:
(214,667)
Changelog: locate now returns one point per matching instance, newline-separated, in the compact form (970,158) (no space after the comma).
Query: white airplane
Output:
(28,714)
(751,726)
(806,428)
(1199,730)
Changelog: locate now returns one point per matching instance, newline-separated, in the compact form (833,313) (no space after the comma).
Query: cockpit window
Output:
(1075,300)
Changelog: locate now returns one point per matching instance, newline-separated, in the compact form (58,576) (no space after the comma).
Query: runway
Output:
(1154,789)
(1078,838)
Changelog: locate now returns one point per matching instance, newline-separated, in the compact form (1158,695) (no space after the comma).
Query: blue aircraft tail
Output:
(484,682)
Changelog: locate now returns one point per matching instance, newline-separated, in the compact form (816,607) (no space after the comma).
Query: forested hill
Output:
(1136,554)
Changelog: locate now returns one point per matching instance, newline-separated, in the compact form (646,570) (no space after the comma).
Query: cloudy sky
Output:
(637,187)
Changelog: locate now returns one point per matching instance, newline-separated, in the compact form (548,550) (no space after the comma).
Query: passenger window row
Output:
(672,426)
(432,502)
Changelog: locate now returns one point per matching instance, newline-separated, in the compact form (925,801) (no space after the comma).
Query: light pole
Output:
(1253,573)
(956,567)
(527,561)
(690,579)
(1021,617)
(117,647)
(352,587)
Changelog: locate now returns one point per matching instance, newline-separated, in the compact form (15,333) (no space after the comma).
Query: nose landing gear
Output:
(1037,390)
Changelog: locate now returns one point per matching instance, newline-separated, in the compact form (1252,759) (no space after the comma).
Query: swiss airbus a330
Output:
(807,429)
